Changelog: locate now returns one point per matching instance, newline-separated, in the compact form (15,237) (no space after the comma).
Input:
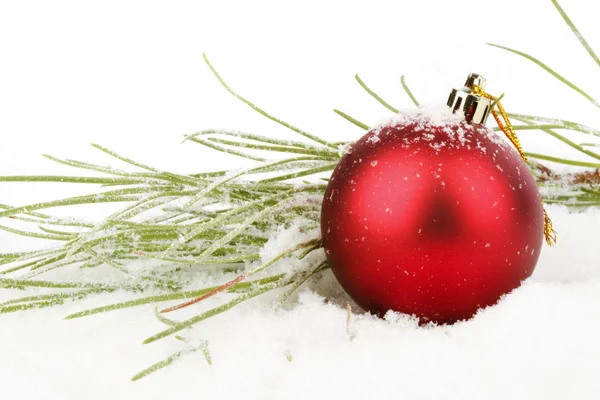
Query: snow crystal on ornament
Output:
(437,116)
(373,139)
(493,137)
(428,115)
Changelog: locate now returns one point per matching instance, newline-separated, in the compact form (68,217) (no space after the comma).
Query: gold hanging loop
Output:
(504,124)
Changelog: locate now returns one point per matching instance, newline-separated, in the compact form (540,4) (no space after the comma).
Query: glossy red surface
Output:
(435,221)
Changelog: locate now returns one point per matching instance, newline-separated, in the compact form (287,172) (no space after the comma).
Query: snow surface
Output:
(129,75)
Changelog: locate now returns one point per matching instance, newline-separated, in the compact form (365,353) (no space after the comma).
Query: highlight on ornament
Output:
(431,214)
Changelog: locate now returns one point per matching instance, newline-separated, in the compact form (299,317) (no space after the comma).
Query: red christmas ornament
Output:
(431,215)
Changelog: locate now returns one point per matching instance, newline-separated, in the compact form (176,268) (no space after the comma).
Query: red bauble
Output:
(435,218)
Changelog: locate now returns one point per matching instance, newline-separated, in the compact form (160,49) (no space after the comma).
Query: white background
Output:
(130,75)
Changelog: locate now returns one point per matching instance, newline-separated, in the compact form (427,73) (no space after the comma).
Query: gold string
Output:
(504,123)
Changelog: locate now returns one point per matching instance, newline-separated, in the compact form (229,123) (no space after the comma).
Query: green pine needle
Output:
(409,92)
(578,34)
(375,95)
(550,71)
(352,120)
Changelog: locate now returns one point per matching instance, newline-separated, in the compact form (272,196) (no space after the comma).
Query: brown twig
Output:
(590,177)
(576,178)
(206,295)
(349,315)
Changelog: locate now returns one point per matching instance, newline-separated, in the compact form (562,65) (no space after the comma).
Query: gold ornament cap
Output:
(469,102)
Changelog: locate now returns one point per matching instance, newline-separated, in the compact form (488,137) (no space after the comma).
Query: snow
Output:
(281,240)
(435,114)
(129,75)
(426,119)
(539,342)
